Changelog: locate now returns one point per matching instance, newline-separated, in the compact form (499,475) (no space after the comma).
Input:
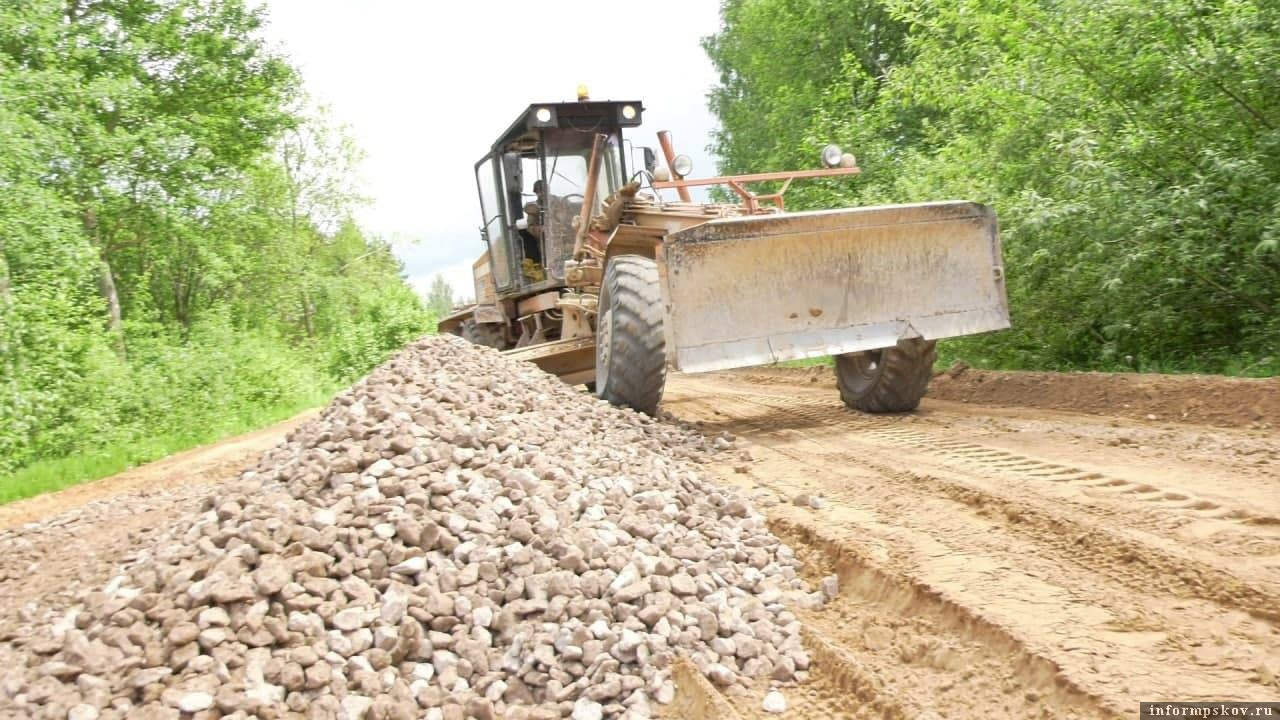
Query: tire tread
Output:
(637,352)
(902,380)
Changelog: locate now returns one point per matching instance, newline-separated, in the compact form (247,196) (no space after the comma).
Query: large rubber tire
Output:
(631,361)
(485,334)
(888,380)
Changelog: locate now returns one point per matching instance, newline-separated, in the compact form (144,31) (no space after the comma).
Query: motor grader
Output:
(595,275)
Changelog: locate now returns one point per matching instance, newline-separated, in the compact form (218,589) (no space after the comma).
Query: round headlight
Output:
(628,112)
(831,155)
(848,160)
(543,114)
(682,165)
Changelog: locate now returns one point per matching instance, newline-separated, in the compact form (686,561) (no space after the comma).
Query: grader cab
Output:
(591,273)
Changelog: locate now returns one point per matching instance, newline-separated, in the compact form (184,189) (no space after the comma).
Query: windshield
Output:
(568,157)
(568,154)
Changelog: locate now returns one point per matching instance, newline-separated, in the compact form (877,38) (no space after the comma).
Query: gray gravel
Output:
(458,535)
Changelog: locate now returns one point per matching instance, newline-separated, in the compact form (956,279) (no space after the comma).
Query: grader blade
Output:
(759,289)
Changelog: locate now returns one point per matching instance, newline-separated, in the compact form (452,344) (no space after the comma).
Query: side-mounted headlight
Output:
(831,156)
(682,165)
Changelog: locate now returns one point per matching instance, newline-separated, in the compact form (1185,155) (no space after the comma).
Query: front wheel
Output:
(886,380)
(631,362)
(486,334)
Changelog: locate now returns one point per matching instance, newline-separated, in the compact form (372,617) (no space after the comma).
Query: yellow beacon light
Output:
(582,93)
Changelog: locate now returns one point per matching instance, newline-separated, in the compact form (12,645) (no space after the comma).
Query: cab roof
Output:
(583,116)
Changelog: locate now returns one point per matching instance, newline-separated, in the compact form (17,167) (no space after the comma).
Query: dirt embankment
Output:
(1192,399)
(1196,399)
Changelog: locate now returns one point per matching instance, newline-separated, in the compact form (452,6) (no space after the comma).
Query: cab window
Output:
(492,224)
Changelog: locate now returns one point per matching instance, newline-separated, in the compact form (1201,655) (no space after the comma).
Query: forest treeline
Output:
(177,255)
(1131,149)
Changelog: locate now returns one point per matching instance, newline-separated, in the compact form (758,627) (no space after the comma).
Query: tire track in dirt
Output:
(1096,596)
(942,641)
(961,680)
(1090,539)
(1127,561)
(984,458)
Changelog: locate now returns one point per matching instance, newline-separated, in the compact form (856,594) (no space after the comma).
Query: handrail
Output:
(750,199)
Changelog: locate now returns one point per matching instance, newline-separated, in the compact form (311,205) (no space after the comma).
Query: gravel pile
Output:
(458,535)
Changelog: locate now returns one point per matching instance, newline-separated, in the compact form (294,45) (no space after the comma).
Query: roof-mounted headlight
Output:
(629,114)
(543,117)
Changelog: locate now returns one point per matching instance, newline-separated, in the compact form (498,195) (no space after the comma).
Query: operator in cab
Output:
(532,234)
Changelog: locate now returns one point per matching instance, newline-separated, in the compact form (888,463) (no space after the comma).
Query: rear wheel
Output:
(887,380)
(486,334)
(631,358)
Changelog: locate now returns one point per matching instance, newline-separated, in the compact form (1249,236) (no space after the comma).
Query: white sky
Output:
(427,87)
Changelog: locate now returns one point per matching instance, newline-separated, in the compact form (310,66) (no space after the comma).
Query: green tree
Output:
(776,58)
(177,251)
(1131,149)
(440,297)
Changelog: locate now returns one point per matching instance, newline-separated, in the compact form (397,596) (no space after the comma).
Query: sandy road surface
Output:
(994,561)
(1012,562)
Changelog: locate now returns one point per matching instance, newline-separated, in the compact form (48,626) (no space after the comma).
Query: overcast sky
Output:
(427,87)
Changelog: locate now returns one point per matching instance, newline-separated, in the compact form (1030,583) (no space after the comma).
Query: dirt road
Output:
(994,559)
(77,537)
(1012,562)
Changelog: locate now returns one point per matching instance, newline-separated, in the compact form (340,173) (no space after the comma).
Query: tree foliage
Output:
(176,242)
(440,297)
(1130,147)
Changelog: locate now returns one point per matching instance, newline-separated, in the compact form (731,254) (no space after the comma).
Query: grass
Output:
(45,476)
(823,361)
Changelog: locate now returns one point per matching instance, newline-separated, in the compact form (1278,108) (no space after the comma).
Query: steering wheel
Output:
(570,196)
